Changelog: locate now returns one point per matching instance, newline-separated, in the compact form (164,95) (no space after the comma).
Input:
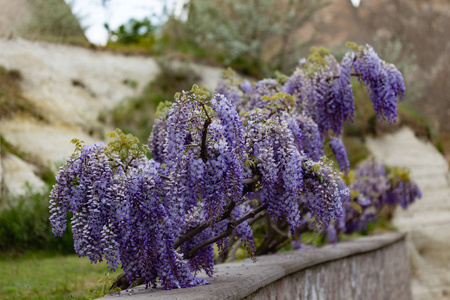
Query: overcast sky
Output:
(93,14)
(356,2)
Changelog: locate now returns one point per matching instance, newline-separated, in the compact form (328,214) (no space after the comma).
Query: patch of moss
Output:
(136,115)
(6,147)
(356,150)
(11,99)
(443,144)
(413,119)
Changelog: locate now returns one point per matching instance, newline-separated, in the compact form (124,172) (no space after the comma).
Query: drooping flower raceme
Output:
(117,213)
(374,188)
(323,192)
(384,83)
(157,139)
(273,146)
(230,92)
(338,148)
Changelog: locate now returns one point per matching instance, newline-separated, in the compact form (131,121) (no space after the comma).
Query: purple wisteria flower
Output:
(338,148)
(230,92)
(384,83)
(246,86)
(158,139)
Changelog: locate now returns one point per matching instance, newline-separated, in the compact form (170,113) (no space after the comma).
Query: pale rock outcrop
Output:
(19,176)
(71,87)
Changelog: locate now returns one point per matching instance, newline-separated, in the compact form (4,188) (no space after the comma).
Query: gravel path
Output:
(428,220)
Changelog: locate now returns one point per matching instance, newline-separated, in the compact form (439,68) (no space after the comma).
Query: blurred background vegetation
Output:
(223,33)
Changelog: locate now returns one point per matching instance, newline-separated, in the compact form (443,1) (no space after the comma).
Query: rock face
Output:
(71,87)
(19,174)
(426,221)
(14,17)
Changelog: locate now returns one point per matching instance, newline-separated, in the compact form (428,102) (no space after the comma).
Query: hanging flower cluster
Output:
(218,163)
(373,188)
(120,213)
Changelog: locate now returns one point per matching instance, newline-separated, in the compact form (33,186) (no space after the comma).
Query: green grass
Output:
(38,276)
(33,263)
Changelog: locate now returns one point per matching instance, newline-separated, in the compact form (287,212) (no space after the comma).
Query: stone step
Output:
(431,197)
(415,162)
(408,220)
(426,183)
(427,221)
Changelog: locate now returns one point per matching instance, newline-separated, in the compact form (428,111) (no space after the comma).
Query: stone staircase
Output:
(427,221)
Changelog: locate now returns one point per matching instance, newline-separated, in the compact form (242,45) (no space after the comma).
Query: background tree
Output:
(134,32)
(262,32)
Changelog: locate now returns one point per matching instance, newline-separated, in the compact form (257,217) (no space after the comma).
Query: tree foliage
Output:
(134,32)
(247,30)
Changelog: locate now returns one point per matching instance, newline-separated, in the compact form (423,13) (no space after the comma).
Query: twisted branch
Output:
(230,227)
(226,214)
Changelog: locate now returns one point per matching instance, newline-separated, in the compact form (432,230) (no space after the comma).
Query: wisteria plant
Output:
(222,161)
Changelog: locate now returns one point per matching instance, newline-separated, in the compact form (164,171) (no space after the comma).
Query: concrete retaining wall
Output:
(373,267)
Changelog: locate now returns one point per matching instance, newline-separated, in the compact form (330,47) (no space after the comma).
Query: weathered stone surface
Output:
(45,143)
(20,17)
(16,174)
(71,86)
(427,220)
(14,16)
(373,267)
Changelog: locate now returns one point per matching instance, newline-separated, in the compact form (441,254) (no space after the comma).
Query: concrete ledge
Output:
(374,267)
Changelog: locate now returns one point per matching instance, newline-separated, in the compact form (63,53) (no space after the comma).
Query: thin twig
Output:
(250,180)
(277,230)
(280,245)
(262,249)
(165,177)
(232,255)
(204,148)
(257,217)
